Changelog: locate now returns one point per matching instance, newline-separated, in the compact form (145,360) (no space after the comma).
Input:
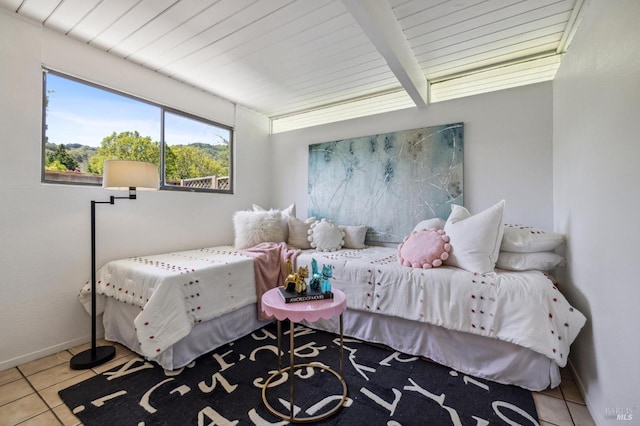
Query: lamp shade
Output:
(125,174)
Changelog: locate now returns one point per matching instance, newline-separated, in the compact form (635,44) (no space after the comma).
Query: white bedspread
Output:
(524,308)
(175,291)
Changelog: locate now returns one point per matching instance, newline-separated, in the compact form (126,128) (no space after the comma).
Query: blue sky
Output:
(79,113)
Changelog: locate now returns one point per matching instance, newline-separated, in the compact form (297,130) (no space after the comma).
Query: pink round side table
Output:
(313,310)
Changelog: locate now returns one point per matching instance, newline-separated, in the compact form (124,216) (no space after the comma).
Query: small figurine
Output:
(301,284)
(295,281)
(327,272)
(290,281)
(316,277)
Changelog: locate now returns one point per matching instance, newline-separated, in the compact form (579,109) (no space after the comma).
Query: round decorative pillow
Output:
(426,248)
(324,235)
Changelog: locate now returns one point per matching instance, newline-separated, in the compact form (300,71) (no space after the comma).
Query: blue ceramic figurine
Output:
(316,277)
(320,280)
(327,272)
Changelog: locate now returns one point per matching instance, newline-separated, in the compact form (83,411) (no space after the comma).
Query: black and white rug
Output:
(224,387)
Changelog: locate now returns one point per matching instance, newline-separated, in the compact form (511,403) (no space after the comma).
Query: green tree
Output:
(218,152)
(222,156)
(191,162)
(62,157)
(56,165)
(170,164)
(82,154)
(125,146)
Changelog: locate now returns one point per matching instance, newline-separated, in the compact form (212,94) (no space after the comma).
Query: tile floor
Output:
(29,393)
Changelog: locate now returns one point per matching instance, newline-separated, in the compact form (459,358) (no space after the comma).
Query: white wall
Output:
(596,109)
(507,150)
(45,228)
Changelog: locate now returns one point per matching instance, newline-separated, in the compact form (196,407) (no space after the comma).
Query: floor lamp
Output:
(121,175)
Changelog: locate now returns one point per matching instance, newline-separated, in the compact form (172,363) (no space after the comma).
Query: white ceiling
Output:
(307,62)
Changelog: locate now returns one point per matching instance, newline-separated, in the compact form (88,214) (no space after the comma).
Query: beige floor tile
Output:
(50,394)
(45,419)
(15,390)
(555,392)
(581,415)
(552,410)
(45,363)
(571,392)
(67,417)
(9,375)
(53,375)
(21,410)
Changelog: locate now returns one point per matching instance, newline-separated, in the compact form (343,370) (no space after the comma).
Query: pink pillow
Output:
(426,248)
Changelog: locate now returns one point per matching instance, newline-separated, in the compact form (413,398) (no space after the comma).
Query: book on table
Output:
(292,296)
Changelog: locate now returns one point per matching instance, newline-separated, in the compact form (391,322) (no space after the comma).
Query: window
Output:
(84,125)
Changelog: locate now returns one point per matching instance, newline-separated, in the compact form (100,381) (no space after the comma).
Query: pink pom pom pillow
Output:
(426,248)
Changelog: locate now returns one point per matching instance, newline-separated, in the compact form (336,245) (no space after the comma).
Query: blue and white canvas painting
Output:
(388,182)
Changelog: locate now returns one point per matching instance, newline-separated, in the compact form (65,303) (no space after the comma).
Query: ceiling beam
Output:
(377,20)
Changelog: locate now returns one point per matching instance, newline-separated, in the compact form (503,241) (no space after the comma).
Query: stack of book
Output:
(292,296)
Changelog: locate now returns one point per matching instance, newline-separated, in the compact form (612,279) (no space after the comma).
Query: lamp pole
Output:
(117,174)
(96,355)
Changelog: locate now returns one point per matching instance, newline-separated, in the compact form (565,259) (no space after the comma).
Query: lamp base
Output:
(85,359)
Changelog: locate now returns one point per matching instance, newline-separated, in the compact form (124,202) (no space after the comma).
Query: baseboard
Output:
(22,359)
(581,388)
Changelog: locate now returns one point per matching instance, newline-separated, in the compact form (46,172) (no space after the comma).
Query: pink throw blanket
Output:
(270,267)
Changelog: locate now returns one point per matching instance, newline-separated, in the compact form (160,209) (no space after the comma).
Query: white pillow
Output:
(475,240)
(286,213)
(526,239)
(540,261)
(324,235)
(435,223)
(252,228)
(354,236)
(299,232)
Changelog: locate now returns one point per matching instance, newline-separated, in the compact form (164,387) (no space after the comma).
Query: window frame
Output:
(163,110)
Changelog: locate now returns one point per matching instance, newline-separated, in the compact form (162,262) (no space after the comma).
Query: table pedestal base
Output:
(291,370)
(291,415)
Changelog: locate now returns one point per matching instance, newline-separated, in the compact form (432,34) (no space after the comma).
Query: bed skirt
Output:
(478,356)
(204,337)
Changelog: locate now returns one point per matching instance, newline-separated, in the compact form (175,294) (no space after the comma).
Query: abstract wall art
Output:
(388,182)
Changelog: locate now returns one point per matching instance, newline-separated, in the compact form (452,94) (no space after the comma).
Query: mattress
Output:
(509,327)
(523,308)
(174,292)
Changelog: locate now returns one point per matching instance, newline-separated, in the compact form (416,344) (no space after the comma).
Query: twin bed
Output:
(509,327)
(172,308)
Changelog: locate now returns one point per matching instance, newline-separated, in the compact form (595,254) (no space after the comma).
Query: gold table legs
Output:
(291,369)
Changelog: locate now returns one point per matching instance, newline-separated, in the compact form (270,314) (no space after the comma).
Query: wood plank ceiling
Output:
(307,62)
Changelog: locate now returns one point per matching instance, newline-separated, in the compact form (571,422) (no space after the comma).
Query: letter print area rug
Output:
(224,387)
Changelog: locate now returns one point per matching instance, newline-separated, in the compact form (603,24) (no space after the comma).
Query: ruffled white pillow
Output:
(475,240)
(324,235)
